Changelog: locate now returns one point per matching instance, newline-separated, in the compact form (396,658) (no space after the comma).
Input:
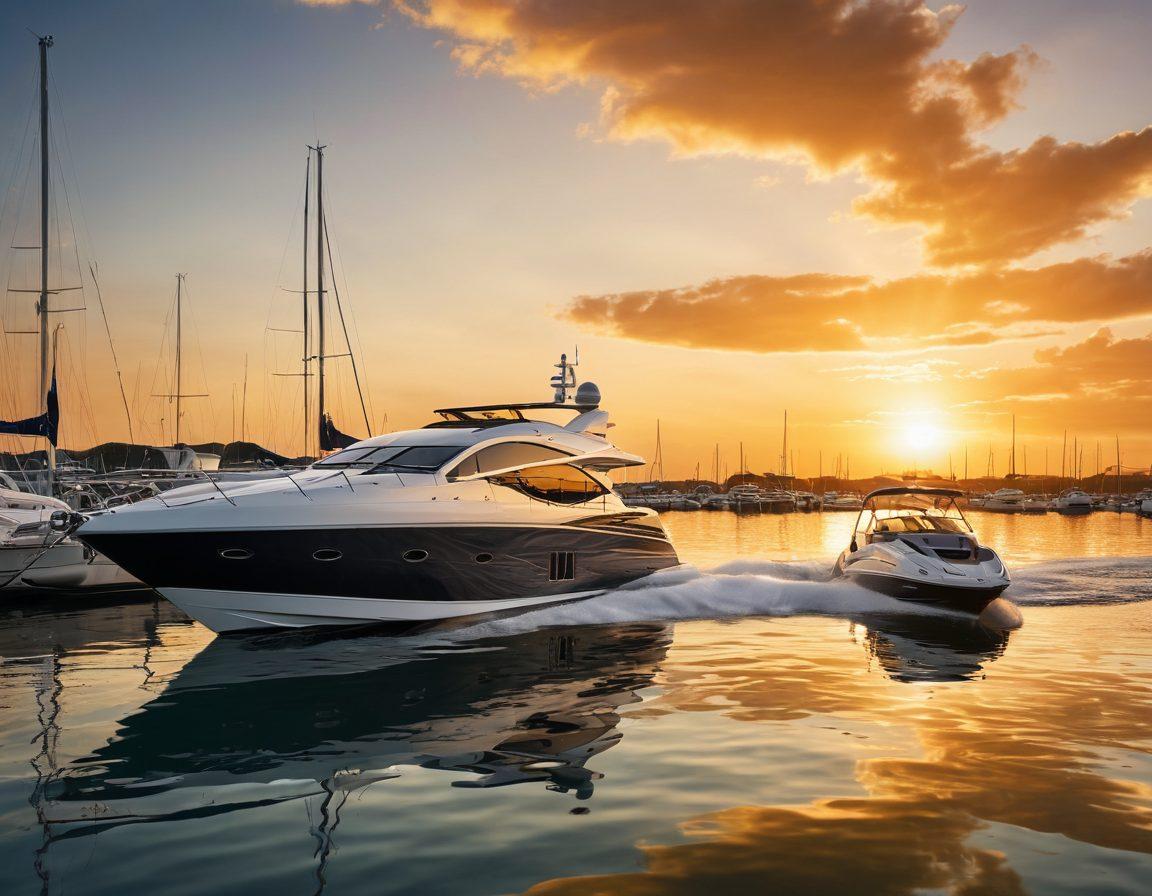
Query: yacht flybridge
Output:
(486,509)
(914,544)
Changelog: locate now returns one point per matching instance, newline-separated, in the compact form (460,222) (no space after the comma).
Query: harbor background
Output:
(804,739)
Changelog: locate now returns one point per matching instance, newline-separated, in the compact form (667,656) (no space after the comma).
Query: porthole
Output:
(415,555)
(326,554)
(483,558)
(235,553)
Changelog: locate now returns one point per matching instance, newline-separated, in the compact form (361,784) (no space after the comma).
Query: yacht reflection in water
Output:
(256,721)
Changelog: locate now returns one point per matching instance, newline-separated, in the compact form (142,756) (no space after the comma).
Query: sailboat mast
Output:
(320,282)
(784,450)
(45,43)
(304,296)
(1013,445)
(244,404)
(179,375)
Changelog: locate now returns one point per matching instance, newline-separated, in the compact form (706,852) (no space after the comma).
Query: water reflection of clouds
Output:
(877,847)
(1033,747)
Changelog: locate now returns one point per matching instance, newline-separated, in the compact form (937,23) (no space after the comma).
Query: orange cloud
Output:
(1102,380)
(836,84)
(1101,386)
(823,312)
(998,206)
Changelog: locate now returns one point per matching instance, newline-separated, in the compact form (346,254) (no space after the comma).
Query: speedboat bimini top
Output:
(915,544)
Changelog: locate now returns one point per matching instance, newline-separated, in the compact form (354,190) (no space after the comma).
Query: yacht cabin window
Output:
(503,456)
(558,484)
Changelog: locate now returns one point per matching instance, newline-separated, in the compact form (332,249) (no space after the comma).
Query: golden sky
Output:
(904,223)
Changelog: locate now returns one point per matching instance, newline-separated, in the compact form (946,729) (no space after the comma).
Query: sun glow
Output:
(921,435)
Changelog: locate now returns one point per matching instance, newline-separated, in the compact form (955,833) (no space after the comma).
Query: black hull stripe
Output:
(974,599)
(461,563)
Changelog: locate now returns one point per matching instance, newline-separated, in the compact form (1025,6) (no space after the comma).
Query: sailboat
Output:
(318,311)
(36,549)
(181,456)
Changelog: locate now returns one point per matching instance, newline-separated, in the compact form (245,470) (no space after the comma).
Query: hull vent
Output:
(561,566)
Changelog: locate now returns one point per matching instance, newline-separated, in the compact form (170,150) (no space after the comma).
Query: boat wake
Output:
(762,587)
(1083,580)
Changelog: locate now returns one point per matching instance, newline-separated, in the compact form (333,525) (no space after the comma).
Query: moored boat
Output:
(1072,502)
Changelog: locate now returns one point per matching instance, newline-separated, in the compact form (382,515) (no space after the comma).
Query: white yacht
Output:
(38,553)
(481,511)
(843,501)
(1005,500)
(32,553)
(1072,501)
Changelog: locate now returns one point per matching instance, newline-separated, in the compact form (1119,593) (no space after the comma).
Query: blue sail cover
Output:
(46,424)
(331,439)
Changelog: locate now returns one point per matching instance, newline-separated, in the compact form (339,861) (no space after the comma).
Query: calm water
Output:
(746,729)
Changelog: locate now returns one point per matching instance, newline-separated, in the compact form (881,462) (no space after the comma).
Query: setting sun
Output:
(921,436)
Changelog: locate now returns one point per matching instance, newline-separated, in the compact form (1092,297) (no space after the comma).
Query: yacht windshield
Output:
(425,458)
(390,458)
(360,457)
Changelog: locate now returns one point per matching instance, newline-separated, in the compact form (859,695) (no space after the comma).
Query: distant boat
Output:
(1005,500)
(1072,501)
(846,501)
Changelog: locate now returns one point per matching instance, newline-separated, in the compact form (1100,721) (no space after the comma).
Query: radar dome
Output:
(588,395)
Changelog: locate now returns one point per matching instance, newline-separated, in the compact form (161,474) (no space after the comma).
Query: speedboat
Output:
(915,544)
(1072,501)
(484,510)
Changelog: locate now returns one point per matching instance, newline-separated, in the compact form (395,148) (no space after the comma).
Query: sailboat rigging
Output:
(45,424)
(178,395)
(319,423)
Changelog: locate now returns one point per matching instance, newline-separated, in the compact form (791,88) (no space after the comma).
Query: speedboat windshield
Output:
(913,521)
(391,458)
(911,512)
(912,501)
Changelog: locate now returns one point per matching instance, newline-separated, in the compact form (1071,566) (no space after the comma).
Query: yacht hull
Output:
(59,566)
(242,579)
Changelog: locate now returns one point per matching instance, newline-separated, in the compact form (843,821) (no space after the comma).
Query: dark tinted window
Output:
(514,454)
(466,467)
(559,484)
(361,457)
(425,457)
